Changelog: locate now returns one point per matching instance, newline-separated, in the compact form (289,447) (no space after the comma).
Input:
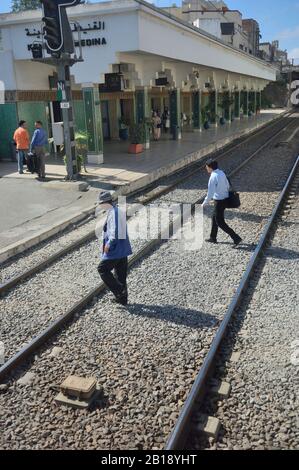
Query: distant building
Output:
(252,28)
(271,53)
(217,19)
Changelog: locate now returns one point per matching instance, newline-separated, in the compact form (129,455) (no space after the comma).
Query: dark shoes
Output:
(211,240)
(122,298)
(237,241)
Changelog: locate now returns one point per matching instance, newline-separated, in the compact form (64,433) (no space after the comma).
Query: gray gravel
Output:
(35,303)
(262,410)
(145,356)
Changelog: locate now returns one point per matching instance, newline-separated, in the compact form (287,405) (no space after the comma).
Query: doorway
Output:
(105,119)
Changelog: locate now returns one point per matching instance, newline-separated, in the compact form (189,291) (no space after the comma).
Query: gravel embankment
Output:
(31,257)
(34,304)
(262,410)
(145,356)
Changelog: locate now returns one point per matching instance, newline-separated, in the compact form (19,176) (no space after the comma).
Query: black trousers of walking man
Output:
(118,282)
(219,222)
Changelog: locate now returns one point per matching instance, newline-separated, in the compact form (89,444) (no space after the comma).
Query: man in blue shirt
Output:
(218,191)
(38,143)
(116,249)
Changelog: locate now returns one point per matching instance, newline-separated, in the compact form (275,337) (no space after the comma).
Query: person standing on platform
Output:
(21,138)
(157,126)
(38,144)
(166,120)
(218,191)
(116,249)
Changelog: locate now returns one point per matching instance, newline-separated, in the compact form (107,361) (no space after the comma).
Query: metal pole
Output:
(63,70)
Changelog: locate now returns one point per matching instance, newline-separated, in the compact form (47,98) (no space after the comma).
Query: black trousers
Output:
(116,283)
(219,222)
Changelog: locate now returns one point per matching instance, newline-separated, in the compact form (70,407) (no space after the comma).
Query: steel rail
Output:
(12,282)
(22,355)
(181,429)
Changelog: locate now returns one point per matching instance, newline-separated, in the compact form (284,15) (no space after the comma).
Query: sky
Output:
(279,19)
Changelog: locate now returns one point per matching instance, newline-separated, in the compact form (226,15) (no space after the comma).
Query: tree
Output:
(22,5)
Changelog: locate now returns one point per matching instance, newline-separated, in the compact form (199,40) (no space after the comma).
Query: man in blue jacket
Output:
(116,249)
(38,143)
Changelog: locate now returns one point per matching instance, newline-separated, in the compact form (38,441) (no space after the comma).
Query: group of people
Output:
(160,122)
(116,243)
(26,148)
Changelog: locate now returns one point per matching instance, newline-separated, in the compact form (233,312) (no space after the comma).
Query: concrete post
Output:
(64,75)
(142,112)
(93,118)
(196,108)
(175,113)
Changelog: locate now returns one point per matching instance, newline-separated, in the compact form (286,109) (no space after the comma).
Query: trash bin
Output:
(175,132)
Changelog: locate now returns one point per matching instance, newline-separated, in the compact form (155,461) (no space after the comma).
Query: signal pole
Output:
(59,43)
(63,70)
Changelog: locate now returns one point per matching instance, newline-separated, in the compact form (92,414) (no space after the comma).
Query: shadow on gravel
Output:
(178,315)
(246,217)
(281,253)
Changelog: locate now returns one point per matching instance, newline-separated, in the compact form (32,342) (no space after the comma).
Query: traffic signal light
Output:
(57,30)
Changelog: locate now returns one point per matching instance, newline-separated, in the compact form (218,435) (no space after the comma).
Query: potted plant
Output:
(123,129)
(81,151)
(137,138)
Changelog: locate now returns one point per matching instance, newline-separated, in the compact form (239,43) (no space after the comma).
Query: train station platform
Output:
(31,210)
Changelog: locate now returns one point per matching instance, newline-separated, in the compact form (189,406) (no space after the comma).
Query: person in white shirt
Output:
(218,191)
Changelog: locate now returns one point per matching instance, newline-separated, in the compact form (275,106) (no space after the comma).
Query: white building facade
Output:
(136,58)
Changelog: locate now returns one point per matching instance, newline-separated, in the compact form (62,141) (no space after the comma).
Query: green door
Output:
(8,124)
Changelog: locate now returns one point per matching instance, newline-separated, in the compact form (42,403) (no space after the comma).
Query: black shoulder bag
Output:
(233,201)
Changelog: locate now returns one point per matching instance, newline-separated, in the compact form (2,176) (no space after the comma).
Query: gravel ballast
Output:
(262,410)
(146,356)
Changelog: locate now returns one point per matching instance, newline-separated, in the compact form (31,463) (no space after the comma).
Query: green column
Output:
(259,100)
(214,107)
(142,113)
(245,102)
(196,108)
(227,106)
(252,104)
(237,104)
(175,113)
(93,118)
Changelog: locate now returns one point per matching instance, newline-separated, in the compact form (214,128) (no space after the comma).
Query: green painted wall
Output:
(79,116)
(8,124)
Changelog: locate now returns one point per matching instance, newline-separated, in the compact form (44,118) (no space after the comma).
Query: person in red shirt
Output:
(22,140)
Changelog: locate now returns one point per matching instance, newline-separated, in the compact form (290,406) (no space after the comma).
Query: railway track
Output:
(40,340)
(146,248)
(150,196)
(197,394)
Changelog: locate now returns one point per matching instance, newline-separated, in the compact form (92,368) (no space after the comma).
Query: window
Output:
(227,29)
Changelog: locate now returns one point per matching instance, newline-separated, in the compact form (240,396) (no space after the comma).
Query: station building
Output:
(137,58)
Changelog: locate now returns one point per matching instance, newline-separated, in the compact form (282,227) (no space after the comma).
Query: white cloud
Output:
(294,53)
(289,33)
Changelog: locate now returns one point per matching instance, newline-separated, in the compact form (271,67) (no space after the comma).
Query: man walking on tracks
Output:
(116,249)
(38,143)
(21,138)
(218,191)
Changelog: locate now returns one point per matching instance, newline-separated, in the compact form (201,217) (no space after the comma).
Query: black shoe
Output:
(122,300)
(237,241)
(211,240)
